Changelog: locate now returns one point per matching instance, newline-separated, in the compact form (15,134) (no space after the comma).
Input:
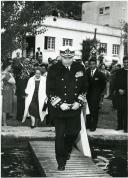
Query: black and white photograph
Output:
(64,88)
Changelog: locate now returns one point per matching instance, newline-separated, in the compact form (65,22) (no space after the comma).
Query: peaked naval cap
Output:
(67,52)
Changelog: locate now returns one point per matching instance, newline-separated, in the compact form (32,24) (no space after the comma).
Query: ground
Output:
(107,117)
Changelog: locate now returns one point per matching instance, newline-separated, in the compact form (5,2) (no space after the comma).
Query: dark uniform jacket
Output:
(96,84)
(120,82)
(66,86)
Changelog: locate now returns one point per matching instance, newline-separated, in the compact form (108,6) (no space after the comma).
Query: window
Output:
(49,42)
(115,49)
(67,42)
(101,11)
(104,10)
(107,10)
(103,47)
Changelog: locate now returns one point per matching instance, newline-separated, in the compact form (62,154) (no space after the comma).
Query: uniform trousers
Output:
(67,130)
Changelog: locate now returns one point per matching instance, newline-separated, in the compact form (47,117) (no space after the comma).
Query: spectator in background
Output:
(39,56)
(118,66)
(8,92)
(106,73)
(114,69)
(50,62)
(97,82)
(58,58)
(21,78)
(35,93)
(120,88)
(55,61)
(86,65)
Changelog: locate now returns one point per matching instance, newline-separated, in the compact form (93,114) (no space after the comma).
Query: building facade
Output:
(108,13)
(67,32)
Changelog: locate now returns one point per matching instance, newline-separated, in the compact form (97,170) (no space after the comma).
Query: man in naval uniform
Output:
(66,88)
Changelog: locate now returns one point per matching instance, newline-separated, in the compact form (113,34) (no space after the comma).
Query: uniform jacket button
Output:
(65,94)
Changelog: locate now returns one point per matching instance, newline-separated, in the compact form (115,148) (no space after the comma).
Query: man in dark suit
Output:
(66,88)
(97,83)
(120,88)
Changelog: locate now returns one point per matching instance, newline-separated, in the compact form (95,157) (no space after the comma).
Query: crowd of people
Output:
(14,82)
(60,91)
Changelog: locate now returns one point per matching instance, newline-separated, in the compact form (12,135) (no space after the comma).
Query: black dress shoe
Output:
(33,126)
(61,168)
(118,129)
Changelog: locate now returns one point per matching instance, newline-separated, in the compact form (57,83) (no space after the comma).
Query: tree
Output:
(125,38)
(19,18)
(91,47)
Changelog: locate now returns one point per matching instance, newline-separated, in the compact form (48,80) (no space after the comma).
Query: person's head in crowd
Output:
(58,58)
(114,62)
(38,72)
(125,62)
(50,62)
(18,55)
(102,66)
(118,66)
(93,63)
(79,60)
(44,69)
(86,64)
(67,53)
(55,61)
(38,49)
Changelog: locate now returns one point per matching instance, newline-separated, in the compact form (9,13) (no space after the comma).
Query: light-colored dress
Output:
(8,87)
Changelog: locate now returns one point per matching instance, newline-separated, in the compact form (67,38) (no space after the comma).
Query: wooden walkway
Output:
(77,166)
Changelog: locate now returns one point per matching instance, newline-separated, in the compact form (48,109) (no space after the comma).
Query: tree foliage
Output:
(91,47)
(125,38)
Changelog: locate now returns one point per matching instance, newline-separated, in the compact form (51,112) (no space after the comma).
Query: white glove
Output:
(121,91)
(64,107)
(75,106)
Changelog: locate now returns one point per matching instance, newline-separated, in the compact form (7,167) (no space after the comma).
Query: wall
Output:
(78,31)
(118,12)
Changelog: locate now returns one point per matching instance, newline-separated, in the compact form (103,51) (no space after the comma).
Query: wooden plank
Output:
(77,166)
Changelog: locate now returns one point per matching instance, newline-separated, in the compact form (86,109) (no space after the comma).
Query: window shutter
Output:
(45,42)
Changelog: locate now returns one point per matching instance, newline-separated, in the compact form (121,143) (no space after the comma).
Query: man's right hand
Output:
(64,107)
